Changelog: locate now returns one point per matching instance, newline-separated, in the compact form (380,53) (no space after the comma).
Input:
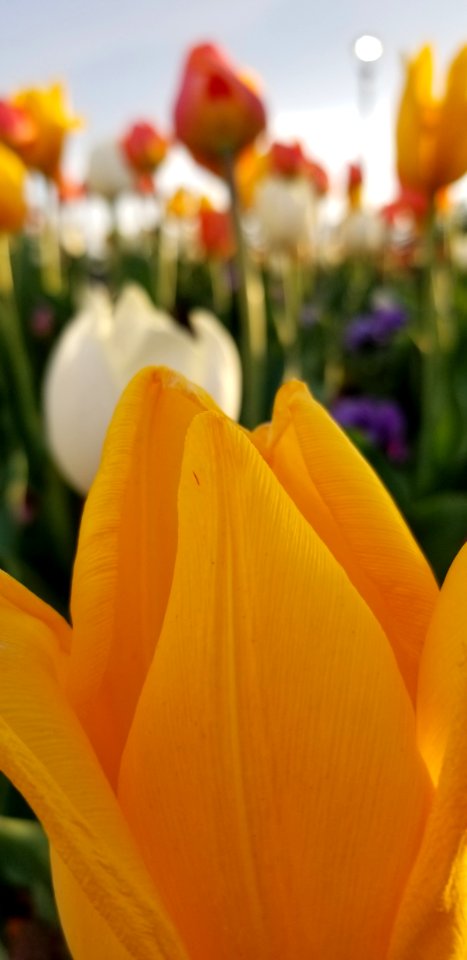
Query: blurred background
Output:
(120,60)
(247,193)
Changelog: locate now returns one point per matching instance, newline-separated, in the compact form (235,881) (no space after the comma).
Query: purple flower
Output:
(380,421)
(375,329)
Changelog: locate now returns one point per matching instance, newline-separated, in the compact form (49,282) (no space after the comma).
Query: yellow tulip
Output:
(431,132)
(251,168)
(49,113)
(12,185)
(183,204)
(252,743)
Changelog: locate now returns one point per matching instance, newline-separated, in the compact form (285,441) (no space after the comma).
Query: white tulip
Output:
(284,207)
(101,349)
(109,174)
(362,232)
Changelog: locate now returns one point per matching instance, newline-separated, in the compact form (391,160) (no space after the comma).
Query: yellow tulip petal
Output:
(271,773)
(345,502)
(125,557)
(432,922)
(12,191)
(48,110)
(421,71)
(88,935)
(443,667)
(417,125)
(15,594)
(451,159)
(47,756)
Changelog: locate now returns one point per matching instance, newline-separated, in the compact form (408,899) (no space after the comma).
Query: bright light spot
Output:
(368,48)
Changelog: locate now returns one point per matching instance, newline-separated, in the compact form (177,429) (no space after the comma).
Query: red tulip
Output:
(144,147)
(409,203)
(286,159)
(218,111)
(317,175)
(17,128)
(216,233)
(289,160)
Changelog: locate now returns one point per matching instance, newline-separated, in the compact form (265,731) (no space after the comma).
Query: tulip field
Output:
(233,510)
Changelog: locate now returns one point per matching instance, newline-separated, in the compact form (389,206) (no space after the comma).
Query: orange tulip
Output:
(218,112)
(12,191)
(49,114)
(252,742)
(432,133)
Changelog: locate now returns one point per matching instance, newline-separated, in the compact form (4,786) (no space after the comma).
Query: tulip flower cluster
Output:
(248,739)
(127,164)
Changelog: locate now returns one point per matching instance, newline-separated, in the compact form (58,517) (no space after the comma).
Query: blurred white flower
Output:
(284,207)
(109,174)
(362,232)
(102,348)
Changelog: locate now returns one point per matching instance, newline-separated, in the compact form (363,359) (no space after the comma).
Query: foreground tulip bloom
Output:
(48,112)
(98,353)
(252,741)
(432,133)
(218,112)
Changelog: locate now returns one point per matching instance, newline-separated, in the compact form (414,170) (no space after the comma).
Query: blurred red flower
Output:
(144,147)
(218,110)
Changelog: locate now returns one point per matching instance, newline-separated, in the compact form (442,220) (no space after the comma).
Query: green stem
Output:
(19,382)
(49,247)
(288,323)
(438,433)
(220,289)
(17,371)
(253,342)
(166,270)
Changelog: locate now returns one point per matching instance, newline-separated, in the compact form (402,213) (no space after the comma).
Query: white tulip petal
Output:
(108,174)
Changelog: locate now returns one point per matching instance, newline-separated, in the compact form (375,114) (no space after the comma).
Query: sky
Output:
(121,60)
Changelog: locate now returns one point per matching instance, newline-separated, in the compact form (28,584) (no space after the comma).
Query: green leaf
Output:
(439,523)
(24,862)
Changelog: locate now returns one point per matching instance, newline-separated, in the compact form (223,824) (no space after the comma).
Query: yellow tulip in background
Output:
(12,191)
(252,742)
(431,131)
(49,112)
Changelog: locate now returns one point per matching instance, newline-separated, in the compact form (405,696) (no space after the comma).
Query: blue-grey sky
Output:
(121,59)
